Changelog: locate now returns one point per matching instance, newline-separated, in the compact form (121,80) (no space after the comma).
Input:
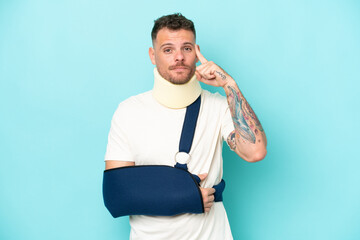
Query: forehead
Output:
(180,36)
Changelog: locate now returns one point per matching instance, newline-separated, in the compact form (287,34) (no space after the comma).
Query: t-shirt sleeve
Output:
(118,147)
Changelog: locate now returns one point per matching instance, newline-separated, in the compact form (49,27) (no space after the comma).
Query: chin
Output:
(180,78)
(179,81)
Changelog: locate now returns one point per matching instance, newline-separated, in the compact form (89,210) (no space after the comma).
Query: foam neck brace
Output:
(175,95)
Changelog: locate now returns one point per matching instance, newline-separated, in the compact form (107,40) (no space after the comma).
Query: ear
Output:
(152,55)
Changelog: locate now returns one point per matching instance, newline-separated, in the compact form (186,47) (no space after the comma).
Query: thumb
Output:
(198,76)
(202,176)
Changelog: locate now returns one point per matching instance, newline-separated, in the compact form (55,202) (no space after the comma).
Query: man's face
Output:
(173,53)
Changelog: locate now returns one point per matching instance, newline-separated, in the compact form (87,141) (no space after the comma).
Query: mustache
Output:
(178,65)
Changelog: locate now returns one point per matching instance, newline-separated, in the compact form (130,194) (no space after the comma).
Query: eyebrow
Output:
(166,44)
(185,43)
(171,44)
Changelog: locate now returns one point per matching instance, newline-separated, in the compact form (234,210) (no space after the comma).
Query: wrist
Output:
(230,82)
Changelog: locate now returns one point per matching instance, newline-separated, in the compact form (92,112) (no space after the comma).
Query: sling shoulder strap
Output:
(188,130)
(186,140)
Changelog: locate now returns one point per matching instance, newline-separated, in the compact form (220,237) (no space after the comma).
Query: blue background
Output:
(65,66)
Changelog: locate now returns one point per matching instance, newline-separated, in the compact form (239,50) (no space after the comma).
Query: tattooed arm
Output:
(248,139)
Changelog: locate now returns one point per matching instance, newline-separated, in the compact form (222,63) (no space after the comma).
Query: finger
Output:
(208,82)
(201,58)
(207,210)
(206,71)
(211,73)
(198,76)
(201,67)
(202,176)
(209,199)
(201,79)
(209,76)
(208,205)
(211,191)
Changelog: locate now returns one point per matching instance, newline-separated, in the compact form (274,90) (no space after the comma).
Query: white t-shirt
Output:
(147,133)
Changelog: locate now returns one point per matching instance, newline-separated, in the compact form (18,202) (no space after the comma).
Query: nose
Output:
(179,56)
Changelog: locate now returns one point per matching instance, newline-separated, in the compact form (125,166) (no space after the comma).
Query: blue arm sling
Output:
(158,190)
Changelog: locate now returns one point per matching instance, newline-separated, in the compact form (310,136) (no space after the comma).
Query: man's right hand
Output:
(207,194)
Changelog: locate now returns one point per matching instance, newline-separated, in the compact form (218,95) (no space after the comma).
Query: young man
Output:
(146,129)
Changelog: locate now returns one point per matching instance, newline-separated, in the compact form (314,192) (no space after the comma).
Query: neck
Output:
(175,95)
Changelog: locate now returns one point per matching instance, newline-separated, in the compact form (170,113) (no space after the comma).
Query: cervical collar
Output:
(175,95)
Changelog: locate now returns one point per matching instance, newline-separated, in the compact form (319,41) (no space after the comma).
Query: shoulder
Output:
(132,105)
(135,101)
(138,99)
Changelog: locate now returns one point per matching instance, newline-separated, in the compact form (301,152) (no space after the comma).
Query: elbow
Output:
(256,156)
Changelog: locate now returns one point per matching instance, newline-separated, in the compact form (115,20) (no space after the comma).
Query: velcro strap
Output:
(219,189)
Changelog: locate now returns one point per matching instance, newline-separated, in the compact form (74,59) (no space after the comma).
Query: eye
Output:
(167,50)
(188,49)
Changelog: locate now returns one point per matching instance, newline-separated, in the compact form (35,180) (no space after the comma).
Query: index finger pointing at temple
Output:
(199,55)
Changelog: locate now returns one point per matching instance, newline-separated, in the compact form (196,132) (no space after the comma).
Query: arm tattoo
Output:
(245,121)
(223,77)
(248,111)
(231,140)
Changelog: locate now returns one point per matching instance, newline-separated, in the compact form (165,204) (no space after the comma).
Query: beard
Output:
(178,77)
